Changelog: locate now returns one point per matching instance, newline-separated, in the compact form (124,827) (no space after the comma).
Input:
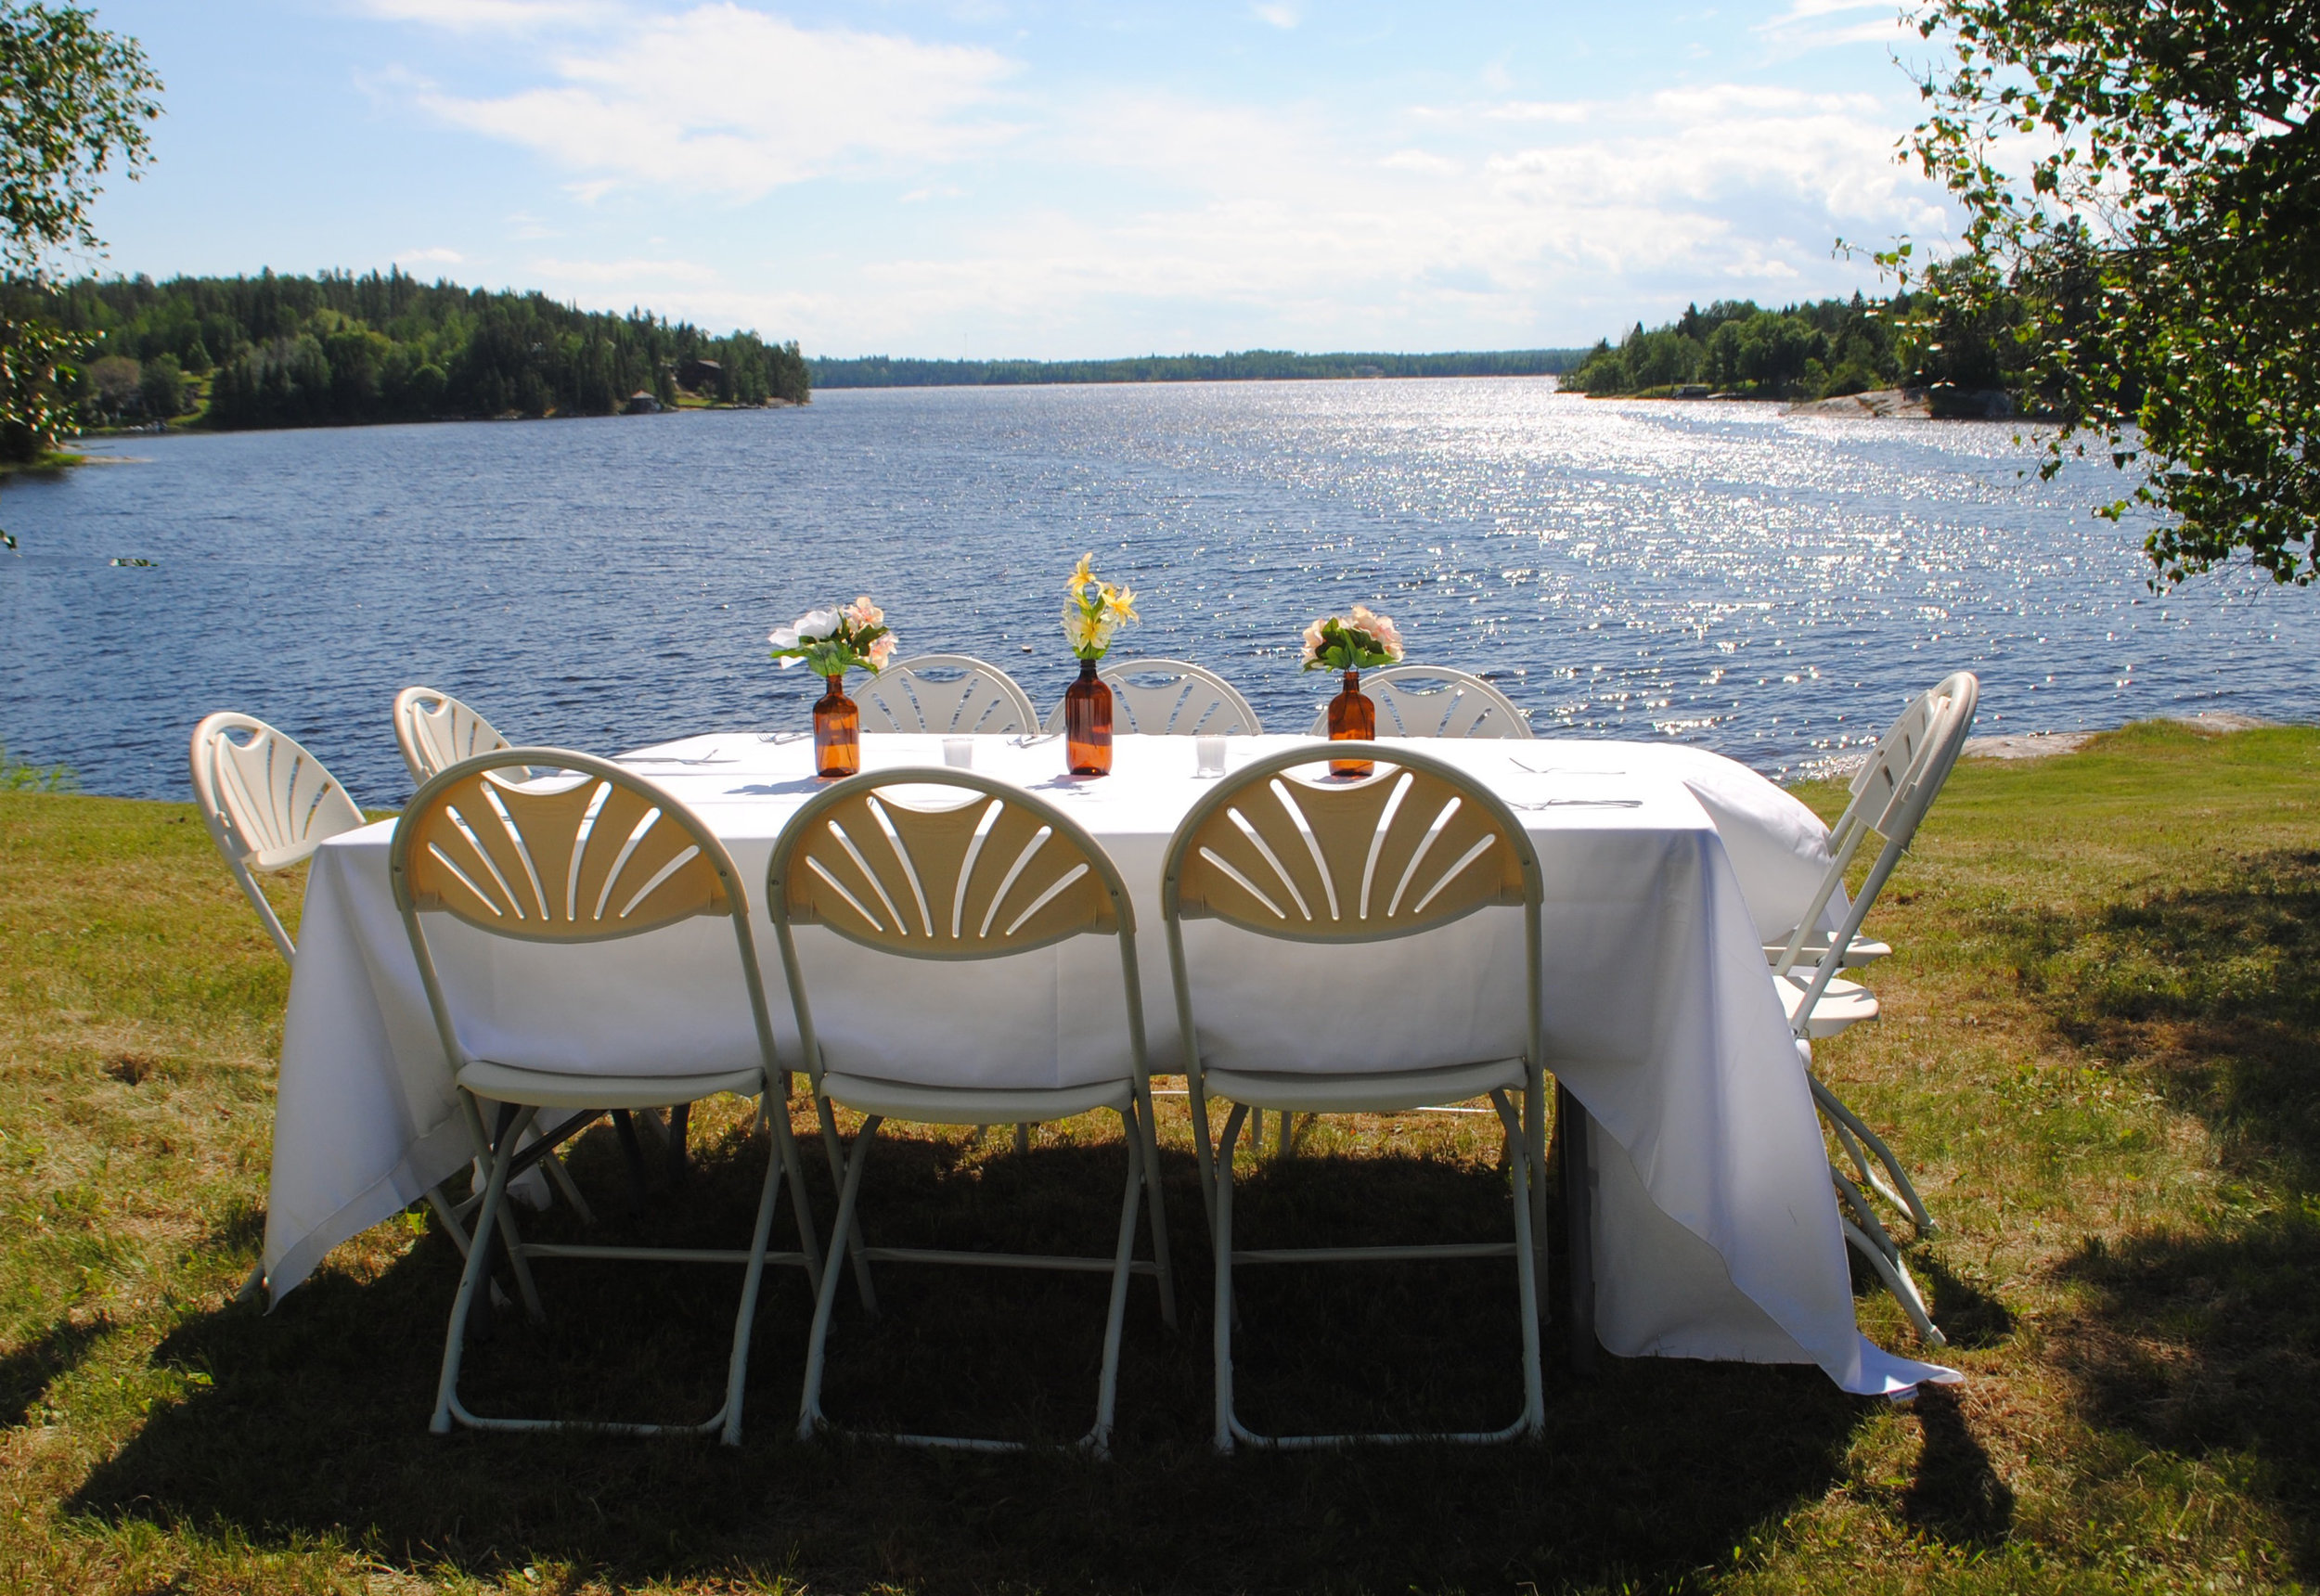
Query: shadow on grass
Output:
(31,1368)
(1970,1317)
(2208,1341)
(1956,1495)
(316,1418)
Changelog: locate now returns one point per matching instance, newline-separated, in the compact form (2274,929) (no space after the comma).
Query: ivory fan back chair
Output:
(1872,796)
(1001,874)
(1410,849)
(597,854)
(435,731)
(955,694)
(1434,700)
(1890,798)
(1171,698)
(269,805)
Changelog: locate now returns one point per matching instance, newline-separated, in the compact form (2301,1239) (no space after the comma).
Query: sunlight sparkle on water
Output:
(1771,586)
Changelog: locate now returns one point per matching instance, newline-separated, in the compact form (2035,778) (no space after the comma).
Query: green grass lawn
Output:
(2100,1050)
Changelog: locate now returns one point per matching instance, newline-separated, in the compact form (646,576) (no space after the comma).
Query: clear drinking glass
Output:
(1209,750)
(959,753)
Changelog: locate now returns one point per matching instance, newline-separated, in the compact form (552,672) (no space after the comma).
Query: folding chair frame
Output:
(1526,1138)
(706,872)
(792,899)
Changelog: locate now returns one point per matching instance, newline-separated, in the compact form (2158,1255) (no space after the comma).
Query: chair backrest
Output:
(945,693)
(267,802)
(601,856)
(1003,872)
(1416,844)
(543,844)
(1434,700)
(1890,796)
(1171,698)
(436,731)
(893,861)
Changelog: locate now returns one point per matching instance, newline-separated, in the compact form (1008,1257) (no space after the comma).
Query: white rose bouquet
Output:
(836,639)
(1360,641)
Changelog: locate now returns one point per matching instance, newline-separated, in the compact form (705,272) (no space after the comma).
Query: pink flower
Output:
(1381,627)
(1313,637)
(881,651)
(862,613)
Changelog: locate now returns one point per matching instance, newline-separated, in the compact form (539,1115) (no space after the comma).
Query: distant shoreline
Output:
(1245,365)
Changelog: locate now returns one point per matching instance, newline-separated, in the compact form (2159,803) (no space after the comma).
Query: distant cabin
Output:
(701,376)
(642,403)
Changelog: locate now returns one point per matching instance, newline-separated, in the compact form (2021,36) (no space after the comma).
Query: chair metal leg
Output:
(845,1234)
(1146,1147)
(1897,1281)
(1023,1138)
(680,1118)
(1864,1213)
(1901,1195)
(449,1218)
(1571,1130)
(518,1264)
(1526,1271)
(736,1368)
(1099,1440)
(1535,1144)
(1222,1329)
(826,1300)
(478,1258)
(1203,1150)
(784,1147)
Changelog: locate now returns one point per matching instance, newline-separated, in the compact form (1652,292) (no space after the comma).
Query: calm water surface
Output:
(1769,585)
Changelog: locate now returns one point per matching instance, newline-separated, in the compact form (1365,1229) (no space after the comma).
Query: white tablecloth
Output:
(1715,1232)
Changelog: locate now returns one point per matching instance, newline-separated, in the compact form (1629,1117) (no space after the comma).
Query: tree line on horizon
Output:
(1244,365)
(1820,350)
(338,348)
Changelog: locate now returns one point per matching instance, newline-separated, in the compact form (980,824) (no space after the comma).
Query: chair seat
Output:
(546,1088)
(1385,1091)
(916,1104)
(1844,1005)
(1861,950)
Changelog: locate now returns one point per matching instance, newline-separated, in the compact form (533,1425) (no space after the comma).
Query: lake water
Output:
(1769,585)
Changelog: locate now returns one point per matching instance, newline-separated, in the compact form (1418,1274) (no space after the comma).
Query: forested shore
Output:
(1245,365)
(1821,350)
(339,349)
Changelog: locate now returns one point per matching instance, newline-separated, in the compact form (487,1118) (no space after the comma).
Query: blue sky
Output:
(988,178)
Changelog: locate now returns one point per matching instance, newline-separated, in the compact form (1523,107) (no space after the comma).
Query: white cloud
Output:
(1804,10)
(723,100)
(1794,29)
(431,257)
(1283,222)
(1279,16)
(1115,217)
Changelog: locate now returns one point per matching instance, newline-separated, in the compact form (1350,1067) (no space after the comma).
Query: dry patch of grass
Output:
(2101,1050)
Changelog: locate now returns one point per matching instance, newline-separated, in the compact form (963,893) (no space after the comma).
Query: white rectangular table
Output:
(1715,1233)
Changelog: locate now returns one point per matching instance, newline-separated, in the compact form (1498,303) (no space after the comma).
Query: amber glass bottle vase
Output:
(1351,715)
(1088,724)
(837,732)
